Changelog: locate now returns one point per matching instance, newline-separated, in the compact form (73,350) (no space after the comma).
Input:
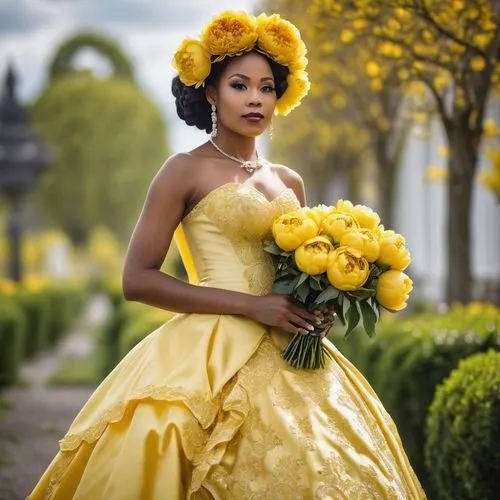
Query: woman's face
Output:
(246,96)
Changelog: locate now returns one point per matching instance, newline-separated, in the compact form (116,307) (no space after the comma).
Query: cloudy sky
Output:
(148,30)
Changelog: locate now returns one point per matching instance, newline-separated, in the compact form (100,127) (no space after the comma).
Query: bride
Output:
(205,407)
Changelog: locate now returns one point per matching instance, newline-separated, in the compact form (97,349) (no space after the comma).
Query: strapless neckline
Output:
(239,185)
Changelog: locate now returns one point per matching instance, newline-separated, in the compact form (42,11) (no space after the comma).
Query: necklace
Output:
(248,165)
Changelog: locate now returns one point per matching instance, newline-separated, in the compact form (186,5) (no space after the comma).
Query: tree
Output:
(109,139)
(358,95)
(453,48)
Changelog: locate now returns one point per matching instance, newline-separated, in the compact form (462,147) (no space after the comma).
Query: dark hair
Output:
(192,105)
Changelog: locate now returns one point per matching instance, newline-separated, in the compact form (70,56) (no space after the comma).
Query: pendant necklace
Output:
(248,165)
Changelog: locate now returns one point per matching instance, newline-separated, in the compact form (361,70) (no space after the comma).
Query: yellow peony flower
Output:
(363,240)
(347,269)
(336,224)
(298,87)
(317,213)
(393,251)
(229,34)
(344,206)
(366,216)
(379,231)
(280,39)
(292,229)
(393,288)
(312,256)
(192,62)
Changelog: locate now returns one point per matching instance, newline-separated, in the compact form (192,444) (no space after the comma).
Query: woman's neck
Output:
(236,145)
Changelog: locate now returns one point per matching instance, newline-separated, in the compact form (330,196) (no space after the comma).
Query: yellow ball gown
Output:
(204,407)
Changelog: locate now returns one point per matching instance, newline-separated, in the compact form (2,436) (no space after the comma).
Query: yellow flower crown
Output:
(234,33)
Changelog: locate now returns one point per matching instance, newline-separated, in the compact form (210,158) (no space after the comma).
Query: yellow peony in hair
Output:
(192,62)
(230,34)
(298,87)
(280,39)
(234,33)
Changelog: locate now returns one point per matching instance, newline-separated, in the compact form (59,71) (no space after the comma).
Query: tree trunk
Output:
(461,167)
(387,169)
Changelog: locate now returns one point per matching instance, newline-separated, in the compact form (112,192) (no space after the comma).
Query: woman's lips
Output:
(253,117)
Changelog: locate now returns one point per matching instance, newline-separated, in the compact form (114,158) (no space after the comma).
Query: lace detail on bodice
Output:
(245,216)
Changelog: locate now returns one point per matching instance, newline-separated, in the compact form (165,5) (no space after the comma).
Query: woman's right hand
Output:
(282,311)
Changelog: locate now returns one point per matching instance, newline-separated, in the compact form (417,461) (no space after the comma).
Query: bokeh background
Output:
(403,115)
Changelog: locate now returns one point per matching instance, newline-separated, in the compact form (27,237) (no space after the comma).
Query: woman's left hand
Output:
(327,317)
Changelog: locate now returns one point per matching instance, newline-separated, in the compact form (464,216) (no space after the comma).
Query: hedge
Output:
(463,431)
(12,338)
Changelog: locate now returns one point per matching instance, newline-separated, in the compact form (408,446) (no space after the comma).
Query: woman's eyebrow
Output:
(244,77)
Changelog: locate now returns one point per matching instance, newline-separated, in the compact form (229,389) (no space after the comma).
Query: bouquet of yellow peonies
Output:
(341,257)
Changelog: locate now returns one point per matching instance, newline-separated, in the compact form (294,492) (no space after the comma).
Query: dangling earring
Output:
(270,130)
(214,121)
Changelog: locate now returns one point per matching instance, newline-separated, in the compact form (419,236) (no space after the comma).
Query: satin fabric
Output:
(205,407)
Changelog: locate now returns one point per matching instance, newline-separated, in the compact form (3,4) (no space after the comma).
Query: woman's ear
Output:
(211,95)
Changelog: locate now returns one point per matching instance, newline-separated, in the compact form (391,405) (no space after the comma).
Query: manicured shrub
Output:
(36,311)
(12,333)
(140,325)
(462,448)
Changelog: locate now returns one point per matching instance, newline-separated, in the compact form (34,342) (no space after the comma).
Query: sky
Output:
(149,31)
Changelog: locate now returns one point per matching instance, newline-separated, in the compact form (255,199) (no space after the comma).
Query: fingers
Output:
(301,311)
(301,322)
(290,327)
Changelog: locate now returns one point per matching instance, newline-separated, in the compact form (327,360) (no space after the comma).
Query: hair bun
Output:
(192,105)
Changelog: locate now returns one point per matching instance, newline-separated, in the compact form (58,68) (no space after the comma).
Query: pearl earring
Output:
(270,130)
(214,121)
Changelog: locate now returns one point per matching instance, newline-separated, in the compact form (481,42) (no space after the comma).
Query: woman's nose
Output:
(254,98)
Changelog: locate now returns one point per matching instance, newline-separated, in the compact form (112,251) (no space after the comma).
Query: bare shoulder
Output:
(291,179)
(177,167)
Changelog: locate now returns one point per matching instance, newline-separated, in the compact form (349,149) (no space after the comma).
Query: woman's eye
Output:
(268,88)
(238,86)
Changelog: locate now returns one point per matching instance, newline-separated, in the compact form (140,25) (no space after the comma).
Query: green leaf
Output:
(369,317)
(285,285)
(352,317)
(272,248)
(339,309)
(329,293)
(362,293)
(315,284)
(302,292)
(303,277)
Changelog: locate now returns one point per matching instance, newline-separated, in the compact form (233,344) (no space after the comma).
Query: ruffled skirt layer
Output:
(205,407)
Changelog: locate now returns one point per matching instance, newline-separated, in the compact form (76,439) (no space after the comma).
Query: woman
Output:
(205,407)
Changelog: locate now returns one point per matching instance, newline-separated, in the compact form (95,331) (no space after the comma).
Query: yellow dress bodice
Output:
(224,234)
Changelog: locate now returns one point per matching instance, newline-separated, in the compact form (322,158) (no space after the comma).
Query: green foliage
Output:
(408,359)
(109,140)
(12,334)
(64,304)
(463,431)
(35,308)
(61,63)
(138,327)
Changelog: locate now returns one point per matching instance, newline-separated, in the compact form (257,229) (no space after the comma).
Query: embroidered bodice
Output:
(225,231)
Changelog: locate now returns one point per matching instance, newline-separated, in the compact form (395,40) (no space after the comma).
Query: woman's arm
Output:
(166,201)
